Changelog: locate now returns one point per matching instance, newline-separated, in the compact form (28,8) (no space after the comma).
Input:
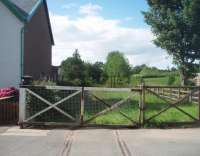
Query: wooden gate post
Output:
(22,106)
(199,102)
(82,106)
(142,105)
(179,93)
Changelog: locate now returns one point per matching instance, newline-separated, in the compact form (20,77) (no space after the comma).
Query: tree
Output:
(117,67)
(138,69)
(176,25)
(95,72)
(73,70)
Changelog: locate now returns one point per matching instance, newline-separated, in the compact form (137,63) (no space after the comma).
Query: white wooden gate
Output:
(25,117)
(79,105)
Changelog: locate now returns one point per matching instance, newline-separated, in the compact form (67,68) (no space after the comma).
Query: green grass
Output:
(154,105)
(130,108)
(161,81)
(156,81)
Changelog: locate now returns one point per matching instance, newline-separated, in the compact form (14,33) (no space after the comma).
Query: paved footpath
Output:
(99,142)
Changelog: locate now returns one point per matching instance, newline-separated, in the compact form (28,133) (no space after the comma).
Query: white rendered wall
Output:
(10,48)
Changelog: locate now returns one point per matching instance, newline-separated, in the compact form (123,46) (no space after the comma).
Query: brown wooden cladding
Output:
(37,46)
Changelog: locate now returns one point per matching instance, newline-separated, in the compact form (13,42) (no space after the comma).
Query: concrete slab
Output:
(99,142)
(154,142)
(95,143)
(31,142)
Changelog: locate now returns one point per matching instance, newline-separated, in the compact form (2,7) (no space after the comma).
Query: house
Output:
(55,72)
(26,41)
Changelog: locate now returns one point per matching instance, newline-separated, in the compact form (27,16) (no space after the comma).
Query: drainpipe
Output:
(22,55)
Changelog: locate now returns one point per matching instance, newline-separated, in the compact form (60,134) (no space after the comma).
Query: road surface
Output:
(99,142)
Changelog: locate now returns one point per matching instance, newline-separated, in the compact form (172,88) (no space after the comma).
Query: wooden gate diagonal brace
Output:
(52,105)
(108,106)
(171,105)
(114,106)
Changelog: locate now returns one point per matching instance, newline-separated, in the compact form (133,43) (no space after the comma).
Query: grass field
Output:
(131,109)
(161,81)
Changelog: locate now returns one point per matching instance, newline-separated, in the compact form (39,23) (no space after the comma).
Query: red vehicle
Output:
(8,92)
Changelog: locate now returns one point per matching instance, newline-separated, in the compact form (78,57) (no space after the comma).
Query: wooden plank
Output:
(199,104)
(175,90)
(92,88)
(185,92)
(107,89)
(157,114)
(62,88)
(71,124)
(53,106)
(140,109)
(143,105)
(82,106)
(182,87)
(181,110)
(195,98)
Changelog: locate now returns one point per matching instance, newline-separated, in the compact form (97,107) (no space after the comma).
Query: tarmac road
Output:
(99,142)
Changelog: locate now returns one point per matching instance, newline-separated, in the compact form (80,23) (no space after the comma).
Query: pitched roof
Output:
(25,6)
(25,9)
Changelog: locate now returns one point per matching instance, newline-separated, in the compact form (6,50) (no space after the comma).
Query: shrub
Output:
(43,83)
(171,80)
(136,80)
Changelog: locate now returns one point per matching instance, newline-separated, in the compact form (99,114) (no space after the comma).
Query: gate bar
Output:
(22,105)
(52,106)
(82,106)
(199,103)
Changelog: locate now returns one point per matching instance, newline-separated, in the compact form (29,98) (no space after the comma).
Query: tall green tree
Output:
(95,72)
(117,67)
(73,70)
(176,25)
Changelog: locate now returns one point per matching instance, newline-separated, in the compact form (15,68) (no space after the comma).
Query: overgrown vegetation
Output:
(154,76)
(115,72)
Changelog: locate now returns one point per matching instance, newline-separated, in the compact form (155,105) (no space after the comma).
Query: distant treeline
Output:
(115,72)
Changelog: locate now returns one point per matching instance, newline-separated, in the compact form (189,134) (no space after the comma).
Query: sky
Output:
(97,27)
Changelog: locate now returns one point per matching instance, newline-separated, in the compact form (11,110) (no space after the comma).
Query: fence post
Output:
(142,105)
(82,106)
(179,93)
(199,102)
(22,106)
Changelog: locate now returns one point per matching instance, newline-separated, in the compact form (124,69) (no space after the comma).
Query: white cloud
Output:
(90,9)
(69,6)
(95,36)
